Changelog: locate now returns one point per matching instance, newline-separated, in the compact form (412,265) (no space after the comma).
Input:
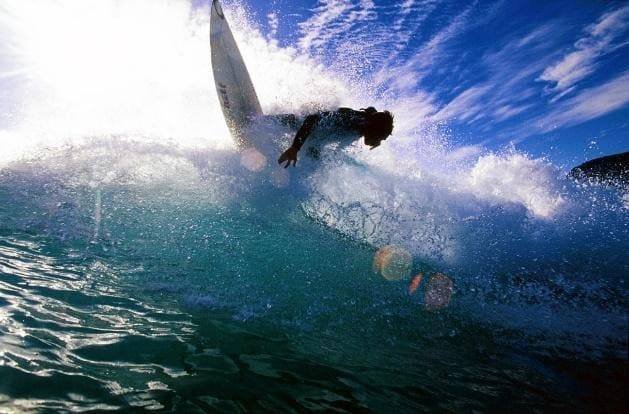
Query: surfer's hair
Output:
(380,123)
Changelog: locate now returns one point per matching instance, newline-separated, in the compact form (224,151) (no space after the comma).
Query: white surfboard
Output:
(236,93)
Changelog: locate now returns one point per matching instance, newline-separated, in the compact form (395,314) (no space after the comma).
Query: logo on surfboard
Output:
(223,92)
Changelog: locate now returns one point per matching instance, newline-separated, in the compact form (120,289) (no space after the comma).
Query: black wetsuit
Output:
(341,127)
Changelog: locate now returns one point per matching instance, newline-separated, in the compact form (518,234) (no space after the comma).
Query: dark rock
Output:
(610,170)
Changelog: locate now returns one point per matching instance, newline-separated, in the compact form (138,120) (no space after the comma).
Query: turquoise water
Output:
(147,265)
(145,278)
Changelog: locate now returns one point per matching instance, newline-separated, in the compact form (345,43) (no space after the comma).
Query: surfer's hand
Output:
(290,155)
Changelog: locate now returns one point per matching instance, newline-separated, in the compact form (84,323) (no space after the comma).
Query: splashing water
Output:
(130,225)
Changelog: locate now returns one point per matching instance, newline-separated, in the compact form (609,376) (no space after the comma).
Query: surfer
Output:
(343,126)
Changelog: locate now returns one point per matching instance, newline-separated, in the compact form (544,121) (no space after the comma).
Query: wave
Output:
(117,113)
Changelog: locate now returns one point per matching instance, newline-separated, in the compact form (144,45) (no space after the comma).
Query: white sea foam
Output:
(516,178)
(140,71)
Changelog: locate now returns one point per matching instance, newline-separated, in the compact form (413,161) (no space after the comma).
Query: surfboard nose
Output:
(219,10)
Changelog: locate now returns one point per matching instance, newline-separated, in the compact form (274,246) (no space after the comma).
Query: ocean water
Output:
(145,264)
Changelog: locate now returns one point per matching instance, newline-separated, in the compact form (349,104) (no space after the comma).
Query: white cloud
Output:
(274,23)
(412,13)
(507,91)
(507,111)
(599,40)
(314,28)
(465,106)
(407,6)
(539,34)
(421,63)
(333,18)
(589,104)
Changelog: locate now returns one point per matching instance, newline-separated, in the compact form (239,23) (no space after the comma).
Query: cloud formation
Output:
(409,75)
(435,61)
(589,104)
(333,18)
(506,90)
(274,23)
(600,39)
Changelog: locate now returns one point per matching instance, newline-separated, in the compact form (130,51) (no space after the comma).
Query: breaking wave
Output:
(115,141)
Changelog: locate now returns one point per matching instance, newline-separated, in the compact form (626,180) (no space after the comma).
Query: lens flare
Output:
(438,292)
(280,178)
(415,282)
(253,160)
(393,262)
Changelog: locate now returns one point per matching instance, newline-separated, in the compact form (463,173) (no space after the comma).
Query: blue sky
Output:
(551,78)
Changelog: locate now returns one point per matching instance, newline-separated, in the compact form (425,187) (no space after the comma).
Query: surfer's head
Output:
(378,126)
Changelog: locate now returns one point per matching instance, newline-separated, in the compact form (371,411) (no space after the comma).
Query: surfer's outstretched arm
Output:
(290,155)
(305,130)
